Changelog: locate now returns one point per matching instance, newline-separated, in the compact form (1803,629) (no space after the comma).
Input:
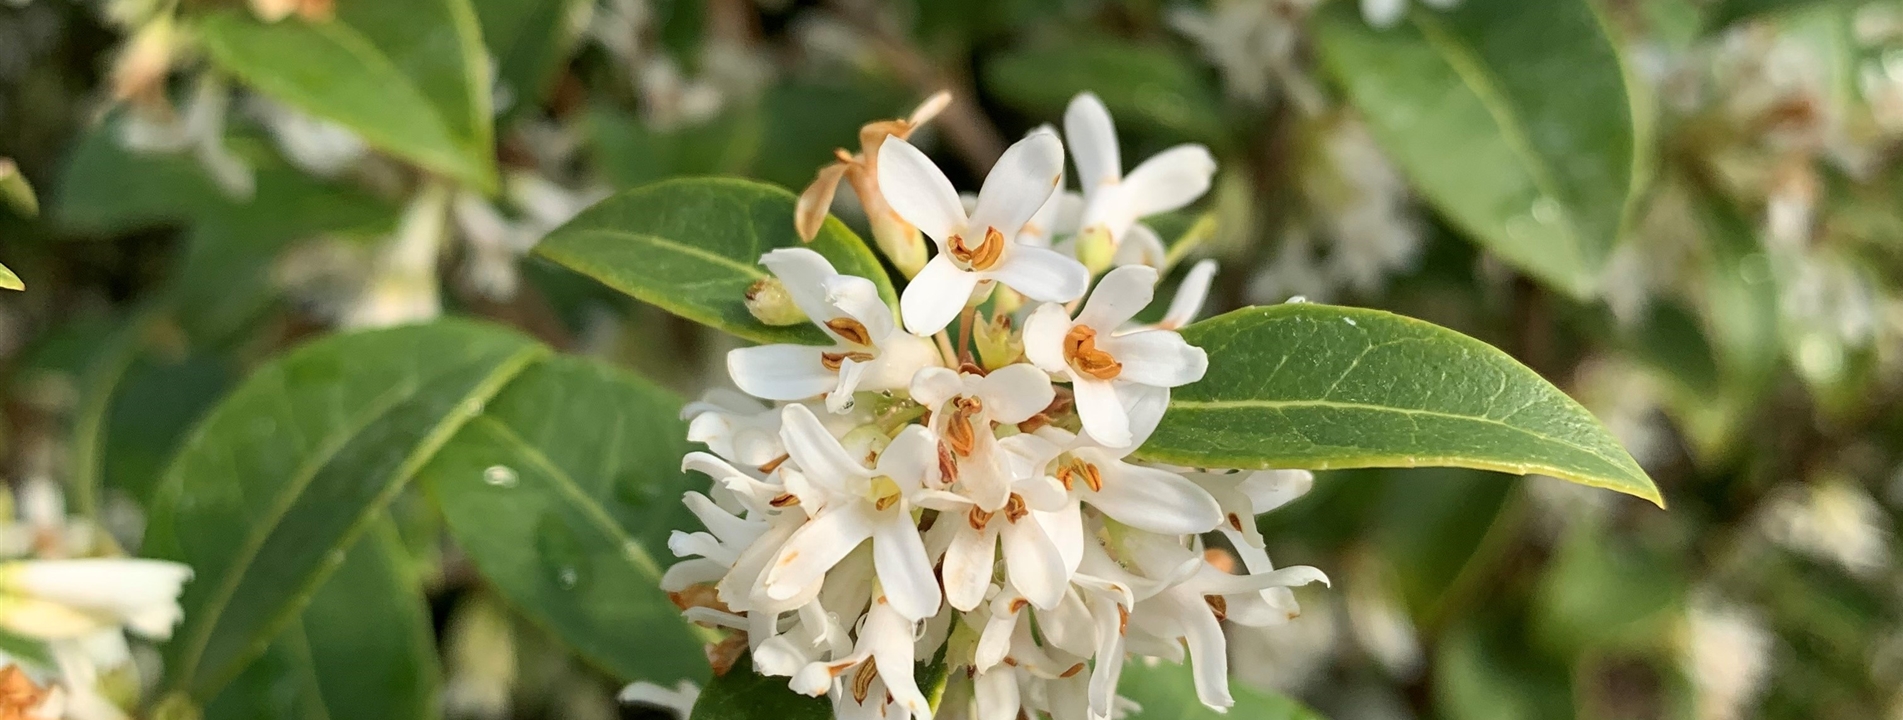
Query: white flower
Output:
(62,599)
(315,145)
(404,288)
(201,129)
(734,426)
(964,409)
(678,701)
(980,247)
(1113,203)
(897,238)
(848,504)
(1190,295)
(1387,13)
(870,351)
(878,671)
(1103,367)
(1140,496)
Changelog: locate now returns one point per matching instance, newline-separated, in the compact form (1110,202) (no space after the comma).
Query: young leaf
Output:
(1320,387)
(284,475)
(10,281)
(693,248)
(1513,119)
(563,492)
(16,192)
(1166,692)
(362,647)
(410,76)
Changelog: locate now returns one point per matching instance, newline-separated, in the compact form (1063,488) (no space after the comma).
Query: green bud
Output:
(1096,249)
(770,303)
(998,345)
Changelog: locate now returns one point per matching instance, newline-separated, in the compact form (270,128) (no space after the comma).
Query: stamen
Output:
(852,330)
(961,430)
(947,464)
(1080,350)
(978,518)
(784,500)
(1015,509)
(832,360)
(862,680)
(774,464)
(982,257)
(1218,605)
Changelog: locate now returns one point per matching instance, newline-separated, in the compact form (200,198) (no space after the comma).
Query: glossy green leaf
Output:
(563,493)
(410,76)
(1512,118)
(693,247)
(361,648)
(1167,692)
(10,281)
(16,192)
(742,694)
(530,40)
(1314,386)
(1148,88)
(287,471)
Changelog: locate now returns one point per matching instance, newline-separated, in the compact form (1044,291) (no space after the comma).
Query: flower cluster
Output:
(81,607)
(916,496)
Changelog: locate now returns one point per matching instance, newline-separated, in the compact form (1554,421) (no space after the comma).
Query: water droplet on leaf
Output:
(501,476)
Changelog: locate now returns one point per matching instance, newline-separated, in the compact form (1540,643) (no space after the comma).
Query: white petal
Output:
(1156,500)
(1109,669)
(1189,296)
(891,641)
(780,372)
(815,548)
(904,570)
(1208,656)
(1216,583)
(815,450)
(901,356)
(1093,142)
(1119,296)
(1170,179)
(918,191)
(1014,393)
(1065,527)
(1101,412)
(1140,245)
(122,586)
(1033,564)
(1041,275)
(935,386)
(839,399)
(804,273)
(935,296)
(969,562)
(858,297)
(688,573)
(996,693)
(1271,489)
(1044,333)
(911,459)
(1023,178)
(1145,405)
(1159,358)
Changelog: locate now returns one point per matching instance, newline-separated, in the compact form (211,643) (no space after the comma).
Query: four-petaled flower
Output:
(1109,230)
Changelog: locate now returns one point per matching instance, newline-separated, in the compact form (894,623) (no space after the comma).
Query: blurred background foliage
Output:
(1683,212)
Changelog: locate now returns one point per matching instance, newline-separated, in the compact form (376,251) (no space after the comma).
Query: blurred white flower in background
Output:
(1725,649)
(1256,44)
(677,701)
(1388,13)
(1833,520)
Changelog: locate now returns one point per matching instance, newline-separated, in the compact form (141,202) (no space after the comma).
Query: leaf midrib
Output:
(666,243)
(1297,404)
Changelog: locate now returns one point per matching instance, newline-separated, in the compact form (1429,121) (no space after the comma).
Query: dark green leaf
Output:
(1166,692)
(156,401)
(1514,119)
(1726,12)
(410,76)
(693,247)
(105,188)
(742,694)
(1148,88)
(1314,386)
(563,492)
(1608,593)
(287,471)
(530,40)
(362,648)
(632,154)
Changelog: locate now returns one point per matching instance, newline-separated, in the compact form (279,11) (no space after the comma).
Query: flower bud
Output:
(770,303)
(1096,249)
(140,70)
(900,242)
(998,345)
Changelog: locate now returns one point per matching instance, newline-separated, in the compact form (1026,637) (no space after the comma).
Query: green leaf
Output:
(156,400)
(1513,119)
(742,694)
(563,492)
(362,648)
(1726,12)
(1484,671)
(693,248)
(287,472)
(1166,692)
(1148,88)
(105,189)
(530,40)
(1313,386)
(1607,592)
(632,154)
(16,192)
(410,76)
(10,281)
